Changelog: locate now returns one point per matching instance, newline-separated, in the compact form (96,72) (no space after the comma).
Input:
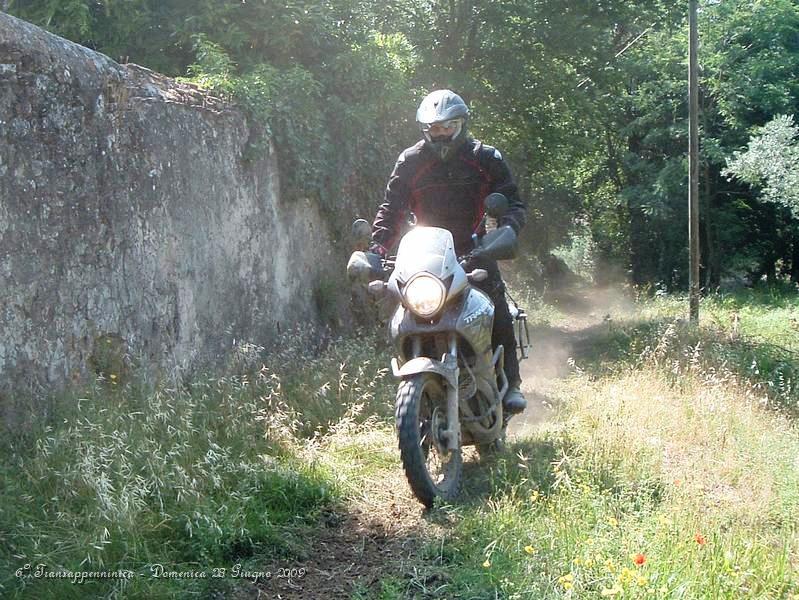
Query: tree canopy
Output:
(771,162)
(588,101)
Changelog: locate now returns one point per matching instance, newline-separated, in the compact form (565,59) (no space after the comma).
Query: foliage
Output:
(579,253)
(207,473)
(126,30)
(771,160)
(586,101)
(747,53)
(311,110)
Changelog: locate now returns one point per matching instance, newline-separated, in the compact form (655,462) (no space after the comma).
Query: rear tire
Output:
(421,410)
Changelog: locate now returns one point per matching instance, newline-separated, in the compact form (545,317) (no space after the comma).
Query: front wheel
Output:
(421,413)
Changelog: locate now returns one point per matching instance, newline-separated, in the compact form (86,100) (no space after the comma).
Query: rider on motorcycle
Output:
(443,180)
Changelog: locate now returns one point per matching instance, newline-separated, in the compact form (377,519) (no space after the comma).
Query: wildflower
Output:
(664,520)
(113,376)
(642,581)
(576,560)
(626,576)
(486,564)
(535,496)
(639,559)
(529,550)
(700,539)
(567,581)
(678,482)
(612,521)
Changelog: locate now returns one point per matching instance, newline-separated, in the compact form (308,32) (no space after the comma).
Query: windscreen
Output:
(426,249)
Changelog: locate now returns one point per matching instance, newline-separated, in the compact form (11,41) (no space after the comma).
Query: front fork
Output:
(453,432)
(447,369)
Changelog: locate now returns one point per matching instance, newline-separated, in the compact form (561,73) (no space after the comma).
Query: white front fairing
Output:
(431,250)
(453,344)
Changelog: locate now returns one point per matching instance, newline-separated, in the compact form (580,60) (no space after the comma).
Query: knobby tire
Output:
(412,392)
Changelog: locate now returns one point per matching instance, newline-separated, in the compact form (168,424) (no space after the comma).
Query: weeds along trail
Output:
(642,469)
(673,457)
(663,466)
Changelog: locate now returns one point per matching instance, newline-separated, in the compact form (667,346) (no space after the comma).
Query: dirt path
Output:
(380,534)
(360,543)
(586,309)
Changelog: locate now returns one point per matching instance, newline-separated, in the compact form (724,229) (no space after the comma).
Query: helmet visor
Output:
(442,130)
(447,127)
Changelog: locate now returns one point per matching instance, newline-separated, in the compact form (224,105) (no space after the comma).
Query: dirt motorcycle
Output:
(452,381)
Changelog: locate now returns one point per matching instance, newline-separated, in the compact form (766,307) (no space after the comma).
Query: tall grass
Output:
(747,337)
(669,471)
(191,476)
(638,490)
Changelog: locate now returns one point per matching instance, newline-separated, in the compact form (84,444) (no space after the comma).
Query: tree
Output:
(587,101)
(771,161)
(749,56)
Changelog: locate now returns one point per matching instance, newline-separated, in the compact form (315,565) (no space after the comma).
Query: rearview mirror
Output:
(360,233)
(496,205)
(364,267)
(500,244)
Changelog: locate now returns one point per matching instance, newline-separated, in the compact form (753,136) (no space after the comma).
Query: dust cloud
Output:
(586,310)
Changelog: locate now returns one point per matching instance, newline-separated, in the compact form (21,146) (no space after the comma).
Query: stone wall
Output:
(133,215)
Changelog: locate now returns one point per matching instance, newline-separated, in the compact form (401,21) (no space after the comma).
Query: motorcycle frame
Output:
(462,330)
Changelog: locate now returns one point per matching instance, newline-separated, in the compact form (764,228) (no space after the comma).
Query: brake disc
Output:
(437,428)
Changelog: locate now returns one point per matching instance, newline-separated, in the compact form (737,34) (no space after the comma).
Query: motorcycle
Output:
(452,381)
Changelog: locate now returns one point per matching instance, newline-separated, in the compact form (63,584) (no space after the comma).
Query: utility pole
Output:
(693,165)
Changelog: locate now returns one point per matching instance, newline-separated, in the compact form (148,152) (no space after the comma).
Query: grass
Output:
(209,472)
(700,486)
(668,470)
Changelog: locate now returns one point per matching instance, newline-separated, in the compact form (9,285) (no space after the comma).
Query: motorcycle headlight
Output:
(425,295)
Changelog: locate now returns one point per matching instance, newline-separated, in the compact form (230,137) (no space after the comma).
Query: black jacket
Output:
(446,194)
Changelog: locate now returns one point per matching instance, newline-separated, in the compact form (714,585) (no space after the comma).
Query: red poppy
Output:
(639,559)
(700,539)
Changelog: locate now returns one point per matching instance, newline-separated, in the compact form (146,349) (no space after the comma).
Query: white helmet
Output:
(445,108)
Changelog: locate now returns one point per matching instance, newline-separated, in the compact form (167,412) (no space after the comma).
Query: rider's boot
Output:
(514,401)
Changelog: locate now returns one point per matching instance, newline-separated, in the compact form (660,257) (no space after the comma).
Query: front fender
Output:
(448,369)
